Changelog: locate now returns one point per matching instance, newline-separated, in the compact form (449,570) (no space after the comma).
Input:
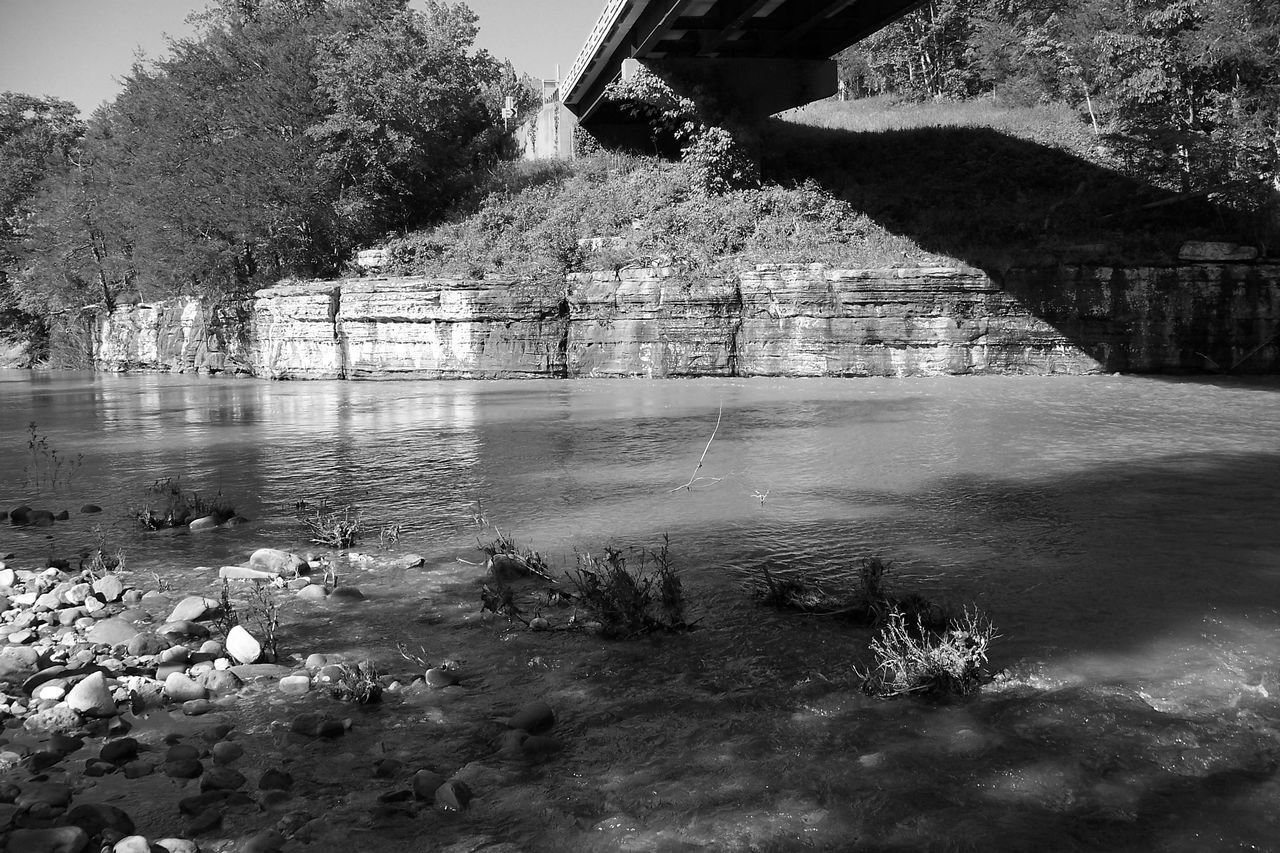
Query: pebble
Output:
(314,591)
(453,796)
(439,676)
(225,752)
(178,845)
(111,631)
(274,779)
(183,768)
(425,783)
(138,769)
(132,844)
(221,778)
(266,841)
(118,750)
(197,707)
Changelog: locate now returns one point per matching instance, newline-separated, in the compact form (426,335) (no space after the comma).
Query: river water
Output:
(1122,533)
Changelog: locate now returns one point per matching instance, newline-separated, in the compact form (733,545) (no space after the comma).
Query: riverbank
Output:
(1215,311)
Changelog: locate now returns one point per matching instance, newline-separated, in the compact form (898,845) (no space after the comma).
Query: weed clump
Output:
(912,658)
(869,605)
(628,602)
(357,684)
(335,528)
(169,505)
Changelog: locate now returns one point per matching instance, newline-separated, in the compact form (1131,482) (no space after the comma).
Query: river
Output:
(1122,533)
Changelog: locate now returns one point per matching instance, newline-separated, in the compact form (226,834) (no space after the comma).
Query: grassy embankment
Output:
(855,184)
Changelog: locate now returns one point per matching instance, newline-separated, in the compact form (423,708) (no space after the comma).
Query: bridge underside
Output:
(757,56)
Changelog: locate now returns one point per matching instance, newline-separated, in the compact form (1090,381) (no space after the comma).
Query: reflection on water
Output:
(1123,533)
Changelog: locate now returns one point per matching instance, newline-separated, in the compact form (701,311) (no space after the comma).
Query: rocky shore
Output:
(139,719)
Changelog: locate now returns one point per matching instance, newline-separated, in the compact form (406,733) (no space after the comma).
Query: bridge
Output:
(756,57)
(760,56)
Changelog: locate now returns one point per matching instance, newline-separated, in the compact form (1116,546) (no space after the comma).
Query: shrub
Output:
(629,602)
(910,658)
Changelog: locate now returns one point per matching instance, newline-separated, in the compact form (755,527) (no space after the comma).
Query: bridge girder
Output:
(710,38)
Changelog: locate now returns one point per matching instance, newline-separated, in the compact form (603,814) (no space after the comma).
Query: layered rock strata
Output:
(780,320)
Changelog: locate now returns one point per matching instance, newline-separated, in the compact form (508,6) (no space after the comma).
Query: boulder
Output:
(180,687)
(208,522)
(193,608)
(242,647)
(245,573)
(92,697)
(278,562)
(110,587)
(56,839)
(112,631)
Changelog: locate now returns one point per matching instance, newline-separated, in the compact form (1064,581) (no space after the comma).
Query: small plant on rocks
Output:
(910,658)
(357,683)
(226,617)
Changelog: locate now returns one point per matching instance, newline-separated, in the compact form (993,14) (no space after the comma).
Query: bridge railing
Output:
(604,25)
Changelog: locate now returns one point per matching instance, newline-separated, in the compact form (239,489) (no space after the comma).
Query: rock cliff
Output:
(780,320)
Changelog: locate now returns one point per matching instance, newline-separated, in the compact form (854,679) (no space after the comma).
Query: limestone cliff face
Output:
(783,320)
(179,335)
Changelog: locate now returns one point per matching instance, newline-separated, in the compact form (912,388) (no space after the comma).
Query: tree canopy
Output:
(279,137)
(1186,91)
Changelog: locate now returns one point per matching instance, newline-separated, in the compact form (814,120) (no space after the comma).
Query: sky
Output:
(79,49)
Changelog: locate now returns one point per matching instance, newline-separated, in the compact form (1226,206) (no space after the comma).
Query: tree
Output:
(37,137)
(406,117)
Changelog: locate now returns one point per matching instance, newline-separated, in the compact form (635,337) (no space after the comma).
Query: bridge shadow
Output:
(1020,211)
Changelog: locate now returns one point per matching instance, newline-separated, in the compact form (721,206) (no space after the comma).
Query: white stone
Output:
(50,692)
(295,685)
(277,561)
(241,645)
(92,697)
(182,688)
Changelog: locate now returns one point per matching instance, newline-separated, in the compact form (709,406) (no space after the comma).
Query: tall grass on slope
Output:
(608,213)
